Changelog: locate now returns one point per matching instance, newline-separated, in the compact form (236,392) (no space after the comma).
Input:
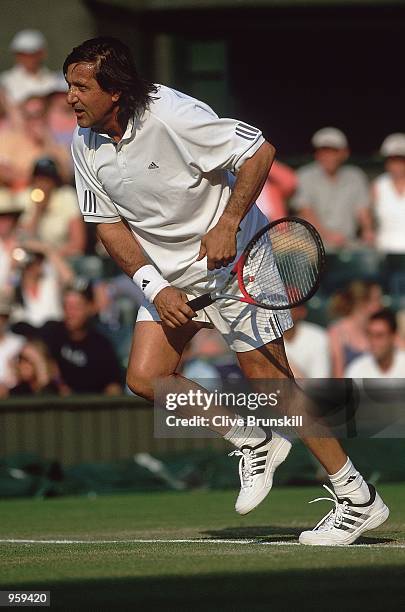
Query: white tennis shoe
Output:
(256,468)
(346,521)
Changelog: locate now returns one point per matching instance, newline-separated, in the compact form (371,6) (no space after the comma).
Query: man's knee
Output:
(141,384)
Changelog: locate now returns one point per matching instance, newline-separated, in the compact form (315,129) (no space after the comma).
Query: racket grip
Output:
(200,302)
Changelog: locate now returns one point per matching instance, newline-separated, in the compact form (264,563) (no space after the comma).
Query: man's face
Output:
(33,112)
(381,339)
(30,61)
(395,165)
(77,311)
(331,159)
(93,106)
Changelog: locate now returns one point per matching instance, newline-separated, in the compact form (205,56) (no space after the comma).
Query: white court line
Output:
(187,541)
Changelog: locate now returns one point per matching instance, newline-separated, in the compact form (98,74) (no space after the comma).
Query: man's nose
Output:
(71,96)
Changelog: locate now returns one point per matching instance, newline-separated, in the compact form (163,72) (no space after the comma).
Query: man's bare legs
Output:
(155,354)
(270,362)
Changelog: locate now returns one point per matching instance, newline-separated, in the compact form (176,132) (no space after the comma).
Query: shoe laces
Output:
(246,467)
(335,516)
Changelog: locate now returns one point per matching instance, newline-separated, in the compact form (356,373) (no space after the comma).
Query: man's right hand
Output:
(172,308)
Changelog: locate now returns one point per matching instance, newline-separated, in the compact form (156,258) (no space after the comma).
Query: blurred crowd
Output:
(66,311)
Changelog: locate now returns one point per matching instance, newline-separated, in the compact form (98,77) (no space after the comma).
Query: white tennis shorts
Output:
(244,327)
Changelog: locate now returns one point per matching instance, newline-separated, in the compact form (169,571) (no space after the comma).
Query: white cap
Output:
(28,41)
(393,145)
(329,137)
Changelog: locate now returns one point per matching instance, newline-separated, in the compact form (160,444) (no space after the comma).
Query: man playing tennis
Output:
(153,170)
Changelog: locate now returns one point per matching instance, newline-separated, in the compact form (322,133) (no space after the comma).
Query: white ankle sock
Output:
(348,482)
(244,435)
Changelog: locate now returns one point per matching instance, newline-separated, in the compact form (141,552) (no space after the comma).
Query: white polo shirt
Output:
(168,178)
(366,366)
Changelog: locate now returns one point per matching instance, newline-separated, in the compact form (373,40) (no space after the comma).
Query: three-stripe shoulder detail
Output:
(90,202)
(246,131)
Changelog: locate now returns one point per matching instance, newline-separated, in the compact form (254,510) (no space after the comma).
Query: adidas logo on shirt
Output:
(248,132)
(152,166)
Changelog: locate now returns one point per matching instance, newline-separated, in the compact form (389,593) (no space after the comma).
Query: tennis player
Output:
(153,171)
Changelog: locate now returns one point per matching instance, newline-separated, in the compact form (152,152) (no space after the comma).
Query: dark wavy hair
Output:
(115,71)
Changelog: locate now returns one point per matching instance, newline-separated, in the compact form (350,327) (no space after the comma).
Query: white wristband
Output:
(149,281)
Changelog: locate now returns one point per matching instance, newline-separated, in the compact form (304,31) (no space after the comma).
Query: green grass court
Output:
(239,568)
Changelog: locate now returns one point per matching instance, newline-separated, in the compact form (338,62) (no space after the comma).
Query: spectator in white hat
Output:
(332,195)
(28,75)
(388,196)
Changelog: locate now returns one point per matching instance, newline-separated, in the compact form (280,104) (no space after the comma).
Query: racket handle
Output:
(200,302)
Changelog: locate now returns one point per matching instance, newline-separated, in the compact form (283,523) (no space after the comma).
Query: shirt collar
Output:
(128,134)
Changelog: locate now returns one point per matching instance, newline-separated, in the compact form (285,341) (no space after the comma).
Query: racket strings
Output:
(283,265)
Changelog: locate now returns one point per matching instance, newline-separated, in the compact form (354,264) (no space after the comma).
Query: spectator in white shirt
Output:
(28,73)
(384,360)
(307,347)
(332,195)
(44,275)
(388,197)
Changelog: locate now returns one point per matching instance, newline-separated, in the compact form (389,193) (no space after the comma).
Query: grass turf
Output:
(195,576)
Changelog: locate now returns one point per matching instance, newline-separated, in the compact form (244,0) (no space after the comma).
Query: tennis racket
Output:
(280,268)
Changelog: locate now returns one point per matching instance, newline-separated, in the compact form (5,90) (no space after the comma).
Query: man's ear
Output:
(116,96)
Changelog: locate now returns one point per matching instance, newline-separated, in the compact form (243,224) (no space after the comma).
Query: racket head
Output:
(282,265)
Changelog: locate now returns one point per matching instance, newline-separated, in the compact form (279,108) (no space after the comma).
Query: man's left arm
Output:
(219,244)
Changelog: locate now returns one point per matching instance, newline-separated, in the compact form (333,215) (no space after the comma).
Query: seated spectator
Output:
(383,360)
(10,346)
(278,188)
(86,359)
(348,336)
(21,148)
(43,275)
(52,213)
(307,347)
(28,73)
(388,197)
(333,196)
(10,211)
(36,373)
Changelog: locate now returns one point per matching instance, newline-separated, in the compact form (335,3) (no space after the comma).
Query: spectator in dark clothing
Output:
(86,359)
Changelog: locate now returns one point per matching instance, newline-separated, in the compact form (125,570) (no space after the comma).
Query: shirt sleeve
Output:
(95,205)
(212,142)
